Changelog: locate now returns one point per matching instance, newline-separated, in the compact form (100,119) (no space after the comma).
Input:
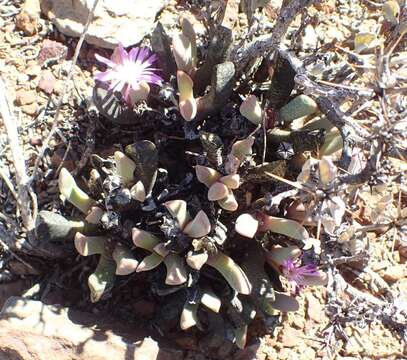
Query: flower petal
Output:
(105,61)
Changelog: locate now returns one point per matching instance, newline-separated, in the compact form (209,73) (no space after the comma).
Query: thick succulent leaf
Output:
(229,202)
(243,148)
(285,227)
(138,191)
(246,225)
(182,50)
(241,336)
(284,303)
(189,317)
(207,175)
(196,259)
(232,181)
(178,209)
(72,193)
(211,301)
(231,271)
(251,110)
(161,250)
(102,279)
(144,239)
(189,32)
(187,103)
(145,155)
(124,167)
(50,226)
(150,262)
(262,288)
(278,255)
(391,11)
(198,227)
(333,142)
(89,245)
(217,191)
(125,261)
(185,86)
(222,83)
(176,271)
(94,215)
(298,107)
(188,109)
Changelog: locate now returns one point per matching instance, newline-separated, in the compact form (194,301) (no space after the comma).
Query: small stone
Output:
(52,50)
(310,39)
(59,87)
(285,353)
(307,353)
(113,23)
(403,251)
(315,310)
(25,97)
(290,337)
(47,82)
(22,79)
(30,109)
(27,22)
(33,70)
(32,330)
(394,273)
(36,141)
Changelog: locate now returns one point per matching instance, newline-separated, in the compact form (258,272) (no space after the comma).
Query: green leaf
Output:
(189,317)
(102,279)
(150,262)
(285,227)
(232,272)
(144,239)
(72,193)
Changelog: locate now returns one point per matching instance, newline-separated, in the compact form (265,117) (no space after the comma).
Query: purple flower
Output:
(301,276)
(130,72)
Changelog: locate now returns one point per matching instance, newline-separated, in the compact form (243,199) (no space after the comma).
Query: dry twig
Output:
(10,124)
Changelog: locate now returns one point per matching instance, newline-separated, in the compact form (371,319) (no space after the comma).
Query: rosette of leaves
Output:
(196,256)
(298,130)
(121,184)
(220,187)
(184,49)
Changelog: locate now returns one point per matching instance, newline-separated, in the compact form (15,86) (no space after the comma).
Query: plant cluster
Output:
(240,236)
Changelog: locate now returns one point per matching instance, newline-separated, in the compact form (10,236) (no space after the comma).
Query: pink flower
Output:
(130,72)
(300,276)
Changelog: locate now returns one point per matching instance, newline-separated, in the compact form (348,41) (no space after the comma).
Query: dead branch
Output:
(23,199)
(266,43)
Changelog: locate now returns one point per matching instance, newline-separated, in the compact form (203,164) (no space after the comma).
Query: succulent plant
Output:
(137,219)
